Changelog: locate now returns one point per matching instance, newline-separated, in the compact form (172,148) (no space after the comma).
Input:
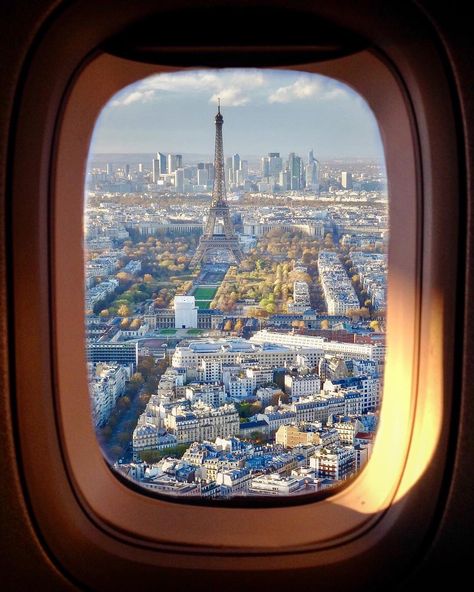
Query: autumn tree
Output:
(280,397)
(135,324)
(123,276)
(125,323)
(124,402)
(137,378)
(123,310)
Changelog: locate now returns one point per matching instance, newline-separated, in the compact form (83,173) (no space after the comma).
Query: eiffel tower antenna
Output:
(210,242)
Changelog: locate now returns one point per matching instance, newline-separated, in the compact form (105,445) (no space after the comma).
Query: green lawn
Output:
(204,293)
(203,304)
(168,331)
(204,297)
(195,331)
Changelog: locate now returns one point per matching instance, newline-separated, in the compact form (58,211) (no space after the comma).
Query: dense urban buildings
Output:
(235,319)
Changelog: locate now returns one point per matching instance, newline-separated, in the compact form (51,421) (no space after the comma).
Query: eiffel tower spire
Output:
(210,242)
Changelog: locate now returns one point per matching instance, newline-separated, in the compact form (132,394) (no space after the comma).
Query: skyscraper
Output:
(346,180)
(209,166)
(155,170)
(295,168)
(229,171)
(275,164)
(179,180)
(202,176)
(172,163)
(284,180)
(312,172)
(162,162)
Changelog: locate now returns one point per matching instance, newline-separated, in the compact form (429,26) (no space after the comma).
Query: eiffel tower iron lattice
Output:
(210,242)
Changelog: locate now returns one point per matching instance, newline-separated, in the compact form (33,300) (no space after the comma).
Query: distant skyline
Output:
(264,111)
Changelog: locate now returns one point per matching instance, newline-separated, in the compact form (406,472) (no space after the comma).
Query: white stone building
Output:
(213,395)
(202,422)
(334,462)
(302,385)
(185,312)
(107,382)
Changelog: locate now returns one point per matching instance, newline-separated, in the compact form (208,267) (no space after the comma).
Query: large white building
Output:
(348,351)
(318,407)
(337,288)
(313,228)
(302,385)
(202,422)
(106,383)
(149,437)
(275,484)
(301,299)
(185,312)
(210,394)
(232,351)
(334,462)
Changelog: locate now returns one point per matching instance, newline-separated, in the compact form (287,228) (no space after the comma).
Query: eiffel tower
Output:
(210,242)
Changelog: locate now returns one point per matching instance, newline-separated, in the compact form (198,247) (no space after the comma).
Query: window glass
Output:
(236,232)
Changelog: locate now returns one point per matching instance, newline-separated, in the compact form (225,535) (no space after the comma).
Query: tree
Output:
(123,276)
(123,310)
(238,325)
(228,325)
(374,325)
(124,323)
(150,456)
(257,436)
(362,313)
(148,278)
(104,313)
(124,402)
(135,324)
(324,324)
(280,396)
(137,378)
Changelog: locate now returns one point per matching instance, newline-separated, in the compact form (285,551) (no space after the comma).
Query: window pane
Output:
(235,282)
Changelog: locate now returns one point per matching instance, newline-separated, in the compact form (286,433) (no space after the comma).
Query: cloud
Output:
(305,88)
(134,97)
(230,97)
(232,86)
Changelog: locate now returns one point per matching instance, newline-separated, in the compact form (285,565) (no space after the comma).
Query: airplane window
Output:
(236,235)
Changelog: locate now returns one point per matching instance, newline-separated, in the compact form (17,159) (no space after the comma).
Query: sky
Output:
(264,111)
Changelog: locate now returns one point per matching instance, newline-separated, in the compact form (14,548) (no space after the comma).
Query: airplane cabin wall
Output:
(449,553)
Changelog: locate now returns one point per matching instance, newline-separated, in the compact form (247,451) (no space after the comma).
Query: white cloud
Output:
(142,96)
(232,86)
(230,97)
(305,88)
